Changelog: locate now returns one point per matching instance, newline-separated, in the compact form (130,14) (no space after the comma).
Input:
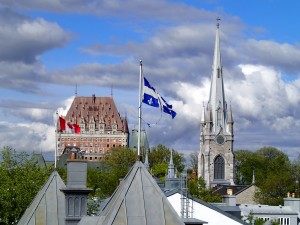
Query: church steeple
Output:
(216,159)
(217,96)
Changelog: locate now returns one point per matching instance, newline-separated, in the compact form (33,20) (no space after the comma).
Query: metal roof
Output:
(137,201)
(48,206)
(267,209)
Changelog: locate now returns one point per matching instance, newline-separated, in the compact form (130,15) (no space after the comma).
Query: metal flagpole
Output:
(140,111)
(56,131)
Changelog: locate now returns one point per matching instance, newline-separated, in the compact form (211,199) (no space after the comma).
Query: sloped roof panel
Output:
(138,201)
(48,207)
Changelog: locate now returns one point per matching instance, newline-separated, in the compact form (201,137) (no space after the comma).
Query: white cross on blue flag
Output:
(152,98)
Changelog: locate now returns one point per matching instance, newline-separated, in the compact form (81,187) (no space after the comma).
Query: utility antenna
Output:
(111,91)
(75,89)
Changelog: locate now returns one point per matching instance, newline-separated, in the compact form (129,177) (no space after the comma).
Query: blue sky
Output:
(48,46)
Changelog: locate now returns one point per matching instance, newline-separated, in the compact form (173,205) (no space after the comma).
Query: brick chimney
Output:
(76,191)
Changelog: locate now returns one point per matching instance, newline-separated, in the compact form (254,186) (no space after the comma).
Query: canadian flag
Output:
(76,128)
(62,123)
(70,125)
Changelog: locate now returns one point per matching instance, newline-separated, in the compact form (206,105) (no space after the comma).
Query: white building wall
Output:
(202,212)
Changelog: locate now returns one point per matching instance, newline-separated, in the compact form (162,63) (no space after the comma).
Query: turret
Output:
(229,120)
(171,168)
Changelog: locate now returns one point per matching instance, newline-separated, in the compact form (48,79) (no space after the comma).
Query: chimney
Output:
(293,202)
(229,199)
(76,191)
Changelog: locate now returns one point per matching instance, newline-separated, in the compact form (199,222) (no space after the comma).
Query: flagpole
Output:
(56,131)
(140,111)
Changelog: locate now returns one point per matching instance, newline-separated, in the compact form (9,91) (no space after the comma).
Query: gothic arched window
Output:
(219,167)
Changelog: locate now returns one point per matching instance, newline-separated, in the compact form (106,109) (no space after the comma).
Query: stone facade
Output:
(247,196)
(216,159)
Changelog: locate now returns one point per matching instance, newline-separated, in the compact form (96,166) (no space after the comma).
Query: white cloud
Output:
(23,38)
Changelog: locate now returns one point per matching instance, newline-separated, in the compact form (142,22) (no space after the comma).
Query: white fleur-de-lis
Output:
(150,101)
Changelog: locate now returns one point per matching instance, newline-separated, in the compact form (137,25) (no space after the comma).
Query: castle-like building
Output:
(216,158)
(95,126)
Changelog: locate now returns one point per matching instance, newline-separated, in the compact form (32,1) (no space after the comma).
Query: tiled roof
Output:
(94,110)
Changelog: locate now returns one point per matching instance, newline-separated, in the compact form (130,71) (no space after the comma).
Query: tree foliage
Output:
(21,179)
(272,170)
(197,188)
(105,181)
(161,154)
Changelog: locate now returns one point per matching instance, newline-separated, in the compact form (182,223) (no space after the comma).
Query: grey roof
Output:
(209,205)
(48,206)
(193,221)
(137,201)
(267,209)
(39,160)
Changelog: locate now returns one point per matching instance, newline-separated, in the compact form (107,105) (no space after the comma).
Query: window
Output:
(91,158)
(284,221)
(219,167)
(74,139)
(107,145)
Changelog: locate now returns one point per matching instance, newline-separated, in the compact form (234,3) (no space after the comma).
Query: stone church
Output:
(216,159)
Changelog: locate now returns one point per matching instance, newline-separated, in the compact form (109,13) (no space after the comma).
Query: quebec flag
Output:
(152,98)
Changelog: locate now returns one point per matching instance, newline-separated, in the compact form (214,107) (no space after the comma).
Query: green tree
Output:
(272,170)
(104,181)
(21,179)
(160,170)
(161,154)
(197,188)
(121,160)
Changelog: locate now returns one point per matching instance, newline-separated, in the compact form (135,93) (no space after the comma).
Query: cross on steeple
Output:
(218,22)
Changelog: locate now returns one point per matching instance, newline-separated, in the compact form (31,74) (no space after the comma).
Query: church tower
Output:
(216,159)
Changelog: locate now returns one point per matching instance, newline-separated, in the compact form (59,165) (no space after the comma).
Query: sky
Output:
(49,46)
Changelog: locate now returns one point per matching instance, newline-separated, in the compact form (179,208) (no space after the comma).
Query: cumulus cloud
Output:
(23,38)
(261,76)
(133,9)
(28,137)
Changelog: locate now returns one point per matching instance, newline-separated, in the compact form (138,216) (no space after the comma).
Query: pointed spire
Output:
(253,177)
(217,96)
(202,120)
(229,114)
(171,168)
